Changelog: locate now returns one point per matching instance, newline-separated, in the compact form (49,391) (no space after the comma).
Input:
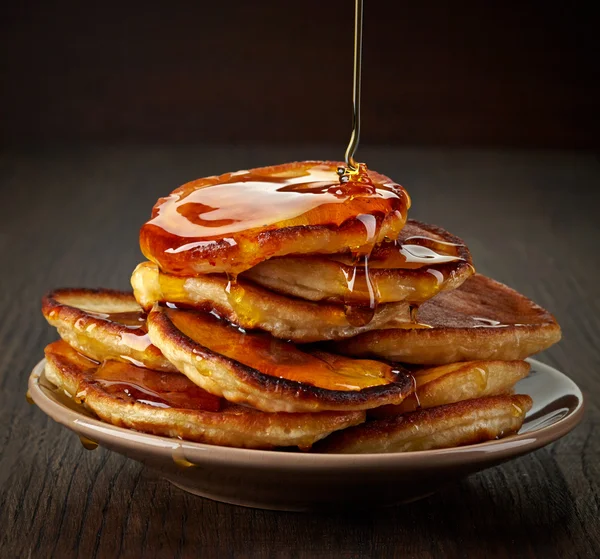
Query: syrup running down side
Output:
(423,261)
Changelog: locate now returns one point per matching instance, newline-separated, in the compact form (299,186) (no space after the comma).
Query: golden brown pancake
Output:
(422,262)
(463,423)
(446,384)
(251,306)
(103,324)
(231,222)
(272,375)
(171,405)
(481,320)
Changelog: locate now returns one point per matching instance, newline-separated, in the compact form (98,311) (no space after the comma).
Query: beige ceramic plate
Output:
(297,481)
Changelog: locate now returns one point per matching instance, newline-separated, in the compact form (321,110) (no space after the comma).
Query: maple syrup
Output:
(136,337)
(226,222)
(145,386)
(516,411)
(357,313)
(247,314)
(351,165)
(180,459)
(88,444)
(278,358)
(29,398)
(131,319)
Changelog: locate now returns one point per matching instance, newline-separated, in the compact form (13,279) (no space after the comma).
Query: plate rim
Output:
(512,445)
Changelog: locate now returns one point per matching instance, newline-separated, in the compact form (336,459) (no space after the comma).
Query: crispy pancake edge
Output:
(239,383)
(462,423)
(470,380)
(284,317)
(94,337)
(445,344)
(246,429)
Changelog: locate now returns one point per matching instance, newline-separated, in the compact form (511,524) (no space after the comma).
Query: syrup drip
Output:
(428,254)
(407,256)
(236,297)
(415,394)
(517,411)
(359,280)
(481,378)
(161,390)
(88,444)
(278,358)
(29,398)
(180,459)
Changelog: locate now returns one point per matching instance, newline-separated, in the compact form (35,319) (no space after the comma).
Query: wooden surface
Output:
(71,218)
(510,73)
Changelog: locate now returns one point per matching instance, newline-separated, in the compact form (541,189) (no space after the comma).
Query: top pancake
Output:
(482,319)
(231,222)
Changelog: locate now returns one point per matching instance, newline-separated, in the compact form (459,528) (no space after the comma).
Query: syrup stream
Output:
(355,137)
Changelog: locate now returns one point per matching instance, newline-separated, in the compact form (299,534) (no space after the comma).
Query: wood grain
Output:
(70,218)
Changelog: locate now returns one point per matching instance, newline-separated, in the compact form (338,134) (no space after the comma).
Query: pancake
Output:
(272,375)
(446,384)
(231,222)
(422,262)
(170,405)
(481,320)
(251,306)
(103,324)
(463,423)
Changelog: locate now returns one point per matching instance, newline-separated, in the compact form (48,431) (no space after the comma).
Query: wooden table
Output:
(71,218)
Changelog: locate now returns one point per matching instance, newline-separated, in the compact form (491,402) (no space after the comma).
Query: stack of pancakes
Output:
(296,304)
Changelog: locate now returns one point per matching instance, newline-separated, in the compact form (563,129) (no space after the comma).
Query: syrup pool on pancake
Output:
(279,358)
(232,222)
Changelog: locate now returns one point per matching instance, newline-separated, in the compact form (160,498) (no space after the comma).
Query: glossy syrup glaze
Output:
(136,334)
(161,390)
(278,358)
(131,319)
(128,382)
(220,219)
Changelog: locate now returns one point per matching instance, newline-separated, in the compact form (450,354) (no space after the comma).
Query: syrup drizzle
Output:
(351,165)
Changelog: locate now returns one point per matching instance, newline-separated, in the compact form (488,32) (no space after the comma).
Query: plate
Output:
(295,481)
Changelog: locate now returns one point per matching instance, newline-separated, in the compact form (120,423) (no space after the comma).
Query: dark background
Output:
(107,106)
(493,74)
